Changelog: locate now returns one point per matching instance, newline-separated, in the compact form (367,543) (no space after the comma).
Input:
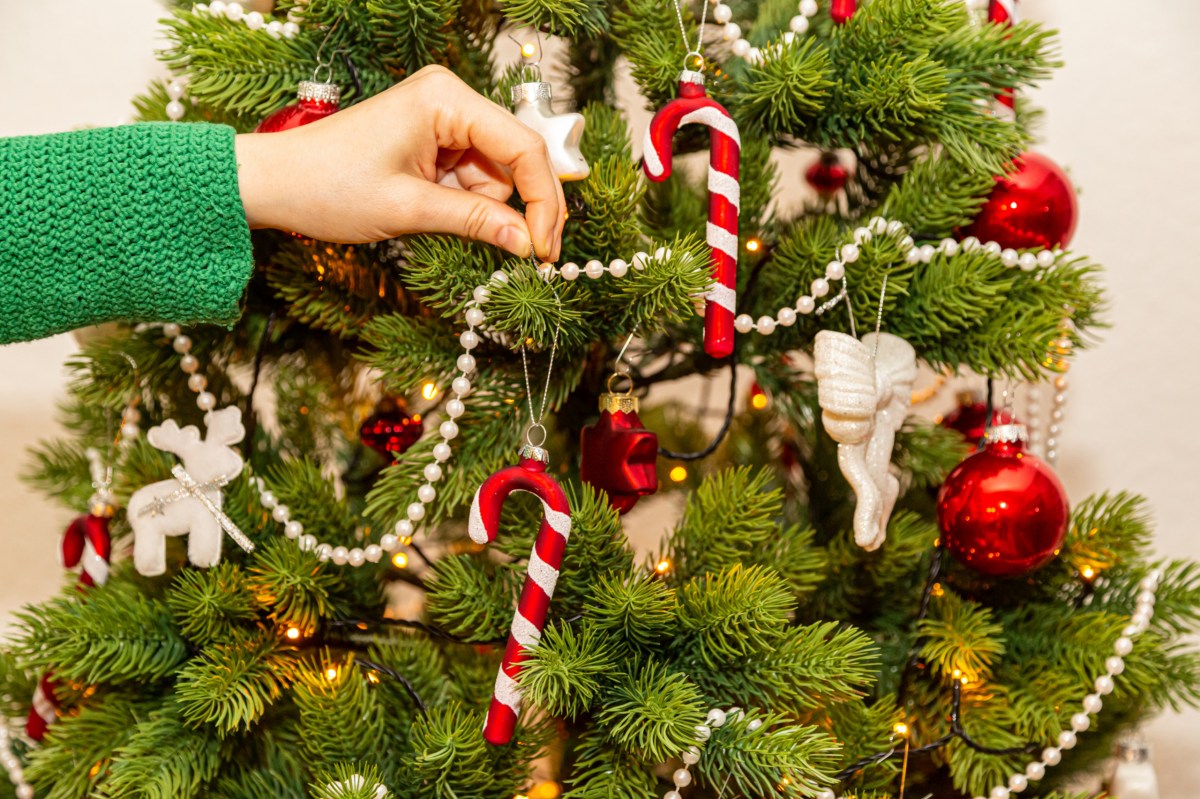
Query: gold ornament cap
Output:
(613,401)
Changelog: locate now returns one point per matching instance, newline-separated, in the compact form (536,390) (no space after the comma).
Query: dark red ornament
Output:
(842,10)
(971,418)
(1032,206)
(391,431)
(1004,13)
(314,101)
(827,175)
(1002,511)
(620,456)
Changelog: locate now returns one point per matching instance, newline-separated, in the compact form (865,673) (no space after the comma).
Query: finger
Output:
(476,172)
(466,213)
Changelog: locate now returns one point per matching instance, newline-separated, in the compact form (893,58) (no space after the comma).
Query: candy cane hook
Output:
(724,195)
(545,559)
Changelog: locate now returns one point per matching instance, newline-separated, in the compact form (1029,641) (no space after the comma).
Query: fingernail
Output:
(513,239)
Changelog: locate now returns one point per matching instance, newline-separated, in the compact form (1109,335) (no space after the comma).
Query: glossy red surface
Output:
(620,457)
(1034,206)
(1002,511)
(971,419)
(842,10)
(391,431)
(293,116)
(827,176)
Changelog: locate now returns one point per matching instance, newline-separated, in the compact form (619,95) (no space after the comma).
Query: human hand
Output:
(429,155)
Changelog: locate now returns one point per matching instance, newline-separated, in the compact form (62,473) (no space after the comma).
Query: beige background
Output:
(1122,116)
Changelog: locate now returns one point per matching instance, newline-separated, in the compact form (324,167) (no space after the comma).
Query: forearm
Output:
(138,223)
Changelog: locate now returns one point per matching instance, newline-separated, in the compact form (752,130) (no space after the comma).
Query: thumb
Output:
(466,213)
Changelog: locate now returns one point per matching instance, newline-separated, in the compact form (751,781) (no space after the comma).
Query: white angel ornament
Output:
(864,389)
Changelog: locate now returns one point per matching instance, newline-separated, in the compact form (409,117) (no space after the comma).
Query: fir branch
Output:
(651,712)
(340,716)
(600,771)
(733,615)
(960,639)
(212,605)
(450,759)
(165,759)
(560,17)
(471,598)
(778,758)
(567,670)
(408,34)
(350,781)
(633,608)
(230,686)
(292,586)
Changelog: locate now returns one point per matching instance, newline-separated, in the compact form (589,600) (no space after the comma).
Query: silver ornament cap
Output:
(533,92)
(318,92)
(1006,434)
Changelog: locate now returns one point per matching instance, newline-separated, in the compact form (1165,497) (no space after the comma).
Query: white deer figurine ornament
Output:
(189,504)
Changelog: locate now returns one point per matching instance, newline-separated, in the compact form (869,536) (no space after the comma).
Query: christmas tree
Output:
(323,572)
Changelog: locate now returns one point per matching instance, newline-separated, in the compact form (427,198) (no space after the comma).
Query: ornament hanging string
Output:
(535,422)
(699,36)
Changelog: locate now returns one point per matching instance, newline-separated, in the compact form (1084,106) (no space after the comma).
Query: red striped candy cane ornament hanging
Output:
(545,560)
(724,195)
(1004,13)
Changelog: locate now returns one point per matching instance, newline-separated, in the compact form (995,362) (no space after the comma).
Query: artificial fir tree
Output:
(285,672)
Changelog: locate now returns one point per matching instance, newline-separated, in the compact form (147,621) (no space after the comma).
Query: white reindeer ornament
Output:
(189,504)
(864,389)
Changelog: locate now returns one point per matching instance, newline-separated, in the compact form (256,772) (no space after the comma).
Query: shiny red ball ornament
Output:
(827,175)
(1002,511)
(620,456)
(842,10)
(1032,206)
(971,418)
(391,430)
(314,101)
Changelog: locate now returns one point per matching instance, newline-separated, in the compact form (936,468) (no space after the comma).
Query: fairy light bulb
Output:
(400,560)
(429,390)
(753,245)
(900,729)
(293,633)
(678,474)
(528,50)
(331,673)
(663,566)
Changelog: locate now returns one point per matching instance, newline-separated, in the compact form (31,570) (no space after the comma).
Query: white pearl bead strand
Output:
(741,47)
(16,775)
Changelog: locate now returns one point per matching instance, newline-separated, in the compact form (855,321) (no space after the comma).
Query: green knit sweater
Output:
(139,223)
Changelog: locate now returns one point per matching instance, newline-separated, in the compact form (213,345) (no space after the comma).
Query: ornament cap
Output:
(531,453)
(1006,434)
(1133,750)
(532,92)
(691,76)
(317,92)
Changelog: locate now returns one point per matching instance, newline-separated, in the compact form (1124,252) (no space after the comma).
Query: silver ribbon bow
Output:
(190,488)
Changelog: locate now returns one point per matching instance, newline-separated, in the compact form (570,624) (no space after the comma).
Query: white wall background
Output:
(1122,116)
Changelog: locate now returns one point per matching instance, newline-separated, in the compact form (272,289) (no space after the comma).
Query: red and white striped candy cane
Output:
(86,541)
(544,562)
(1004,13)
(724,195)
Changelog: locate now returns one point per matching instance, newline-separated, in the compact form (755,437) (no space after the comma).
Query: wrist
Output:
(257,180)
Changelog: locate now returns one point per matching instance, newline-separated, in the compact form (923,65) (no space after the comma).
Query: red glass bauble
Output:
(1033,206)
(391,431)
(842,10)
(620,456)
(314,101)
(971,418)
(827,175)
(1002,511)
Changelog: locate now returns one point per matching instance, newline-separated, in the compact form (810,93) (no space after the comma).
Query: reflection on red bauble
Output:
(619,456)
(842,10)
(971,418)
(1032,206)
(391,431)
(827,175)
(314,101)
(1002,511)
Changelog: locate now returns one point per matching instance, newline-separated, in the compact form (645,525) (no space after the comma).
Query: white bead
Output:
(806,304)
(1092,703)
(340,555)
(469,340)
(754,725)
(205,401)
(290,30)
(835,270)
(765,325)
(460,386)
(993,247)
(639,260)
(820,287)
(1104,685)
(404,528)
(293,529)
(740,48)
(1146,598)
(970,243)
(1027,261)
(1052,756)
(480,294)
(743,323)
(426,493)
(197,382)
(416,511)
(281,513)
(307,543)
(475,317)
(499,277)
(913,256)
(171,330)
(894,227)
(732,31)
(1067,739)
(905,244)
(672,794)
(1123,646)
(722,13)
(356,557)
(786,317)
(926,251)
(455,408)
(25,791)
(389,542)
(181,344)
(798,24)
(448,430)
(1114,665)
(691,756)
(441,452)
(702,732)
(682,778)
(275,28)
(217,8)
(999,792)
(433,472)
(1009,257)
(877,224)
(268,499)
(189,364)
(569,270)
(1149,582)
(1045,258)
(662,254)
(372,553)
(175,91)
(465,363)
(593,269)
(618,268)
(808,7)
(1080,722)
(234,12)
(253,20)
(826,794)
(130,431)
(324,551)
(1035,770)
(716,717)
(849,253)
(948,246)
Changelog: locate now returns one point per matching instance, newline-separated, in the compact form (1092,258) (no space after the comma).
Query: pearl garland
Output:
(16,775)
(717,717)
(1092,703)
(741,47)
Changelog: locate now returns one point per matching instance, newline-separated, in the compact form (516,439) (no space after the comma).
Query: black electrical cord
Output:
(725,425)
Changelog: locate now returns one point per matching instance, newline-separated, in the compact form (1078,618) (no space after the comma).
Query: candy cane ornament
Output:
(545,560)
(724,195)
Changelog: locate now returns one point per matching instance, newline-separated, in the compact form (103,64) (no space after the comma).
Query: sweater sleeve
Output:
(138,223)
